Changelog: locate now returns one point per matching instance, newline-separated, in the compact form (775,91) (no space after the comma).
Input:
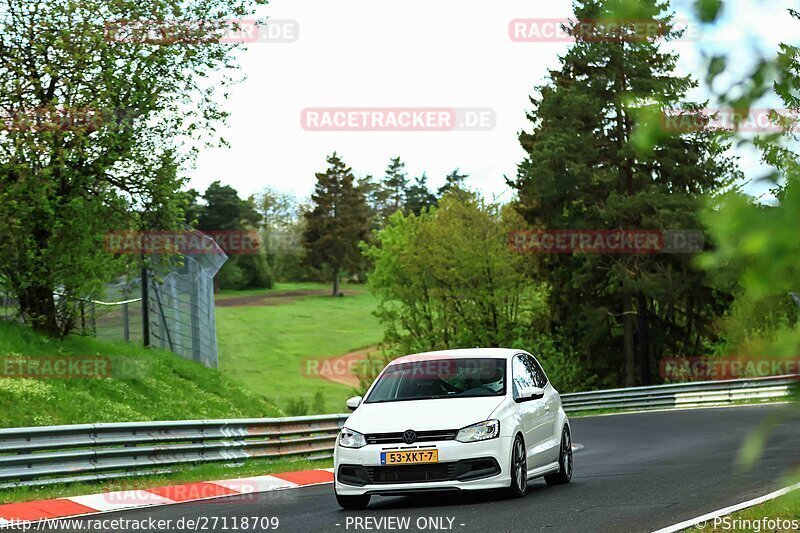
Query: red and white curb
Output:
(13,513)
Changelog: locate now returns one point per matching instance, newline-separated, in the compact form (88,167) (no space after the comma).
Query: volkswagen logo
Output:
(410,436)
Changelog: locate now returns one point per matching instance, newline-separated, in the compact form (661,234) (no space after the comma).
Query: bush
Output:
(230,276)
(448,279)
(245,272)
(255,271)
(296,407)
(563,367)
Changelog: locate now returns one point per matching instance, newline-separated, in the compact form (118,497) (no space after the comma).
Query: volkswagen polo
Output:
(453,420)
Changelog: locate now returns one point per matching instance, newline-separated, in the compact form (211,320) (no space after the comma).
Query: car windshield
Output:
(440,378)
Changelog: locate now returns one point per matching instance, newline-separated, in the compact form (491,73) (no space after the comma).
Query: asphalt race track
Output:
(637,472)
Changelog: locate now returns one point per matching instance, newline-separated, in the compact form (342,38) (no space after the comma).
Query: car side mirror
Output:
(353,403)
(530,393)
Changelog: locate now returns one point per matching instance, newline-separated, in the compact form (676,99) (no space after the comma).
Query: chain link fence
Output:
(169,305)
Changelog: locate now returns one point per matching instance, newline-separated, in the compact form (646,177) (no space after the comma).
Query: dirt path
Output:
(342,369)
(272,298)
(277,297)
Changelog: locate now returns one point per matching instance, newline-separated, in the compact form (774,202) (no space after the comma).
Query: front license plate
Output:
(412,457)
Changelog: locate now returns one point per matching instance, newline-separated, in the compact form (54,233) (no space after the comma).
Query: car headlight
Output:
(351,439)
(489,429)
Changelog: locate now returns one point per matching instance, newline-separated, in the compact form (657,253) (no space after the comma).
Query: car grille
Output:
(422,436)
(464,470)
(410,473)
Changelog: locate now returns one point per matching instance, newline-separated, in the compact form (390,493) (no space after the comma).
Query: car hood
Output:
(422,415)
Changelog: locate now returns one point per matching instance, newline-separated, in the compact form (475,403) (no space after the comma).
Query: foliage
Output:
(225,211)
(454,180)
(336,223)
(586,170)
(93,131)
(419,197)
(760,244)
(565,369)
(395,185)
(447,278)
(282,232)
(296,407)
(757,243)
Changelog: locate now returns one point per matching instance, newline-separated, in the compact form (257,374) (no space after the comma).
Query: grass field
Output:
(157,385)
(265,347)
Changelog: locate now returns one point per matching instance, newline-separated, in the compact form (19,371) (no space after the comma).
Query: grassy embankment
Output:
(155,385)
(265,344)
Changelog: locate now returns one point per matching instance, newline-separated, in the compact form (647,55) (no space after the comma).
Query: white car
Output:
(451,421)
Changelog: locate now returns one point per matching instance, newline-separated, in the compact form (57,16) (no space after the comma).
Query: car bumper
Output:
(462,466)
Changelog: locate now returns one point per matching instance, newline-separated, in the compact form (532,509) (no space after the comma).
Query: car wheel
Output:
(519,470)
(353,503)
(564,474)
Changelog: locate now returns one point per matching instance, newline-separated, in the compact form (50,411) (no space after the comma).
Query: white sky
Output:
(422,53)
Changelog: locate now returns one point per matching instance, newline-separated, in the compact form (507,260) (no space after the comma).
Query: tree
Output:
(454,180)
(447,279)
(282,228)
(395,183)
(376,197)
(419,197)
(585,170)
(191,206)
(91,137)
(337,222)
(225,211)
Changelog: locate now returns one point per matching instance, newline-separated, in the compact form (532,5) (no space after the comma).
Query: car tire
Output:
(519,470)
(353,503)
(565,463)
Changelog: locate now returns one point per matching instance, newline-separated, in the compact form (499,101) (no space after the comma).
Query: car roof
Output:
(464,353)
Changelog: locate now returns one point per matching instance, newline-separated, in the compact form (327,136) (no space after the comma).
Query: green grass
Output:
(264,348)
(208,472)
(164,386)
(787,507)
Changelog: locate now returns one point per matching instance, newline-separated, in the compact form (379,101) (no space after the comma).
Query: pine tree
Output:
(395,184)
(454,180)
(584,170)
(419,197)
(337,222)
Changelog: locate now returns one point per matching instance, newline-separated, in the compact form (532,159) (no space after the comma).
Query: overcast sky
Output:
(423,53)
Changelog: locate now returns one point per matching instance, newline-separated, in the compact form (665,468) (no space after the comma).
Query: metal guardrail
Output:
(692,394)
(88,452)
(65,454)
